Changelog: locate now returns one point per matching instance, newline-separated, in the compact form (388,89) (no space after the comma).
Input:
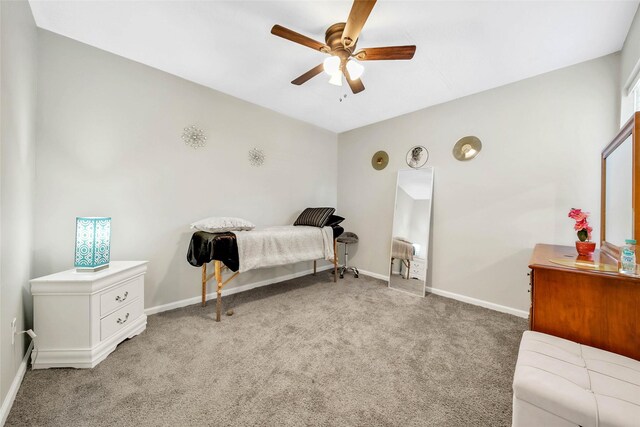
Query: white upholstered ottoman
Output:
(561,383)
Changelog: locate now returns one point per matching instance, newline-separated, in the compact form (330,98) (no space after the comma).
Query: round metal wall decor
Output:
(380,160)
(194,137)
(417,156)
(467,148)
(256,157)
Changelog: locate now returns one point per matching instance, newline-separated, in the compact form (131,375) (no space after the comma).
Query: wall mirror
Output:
(620,178)
(411,231)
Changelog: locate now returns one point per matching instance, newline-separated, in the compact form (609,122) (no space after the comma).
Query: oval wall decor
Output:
(417,156)
(380,160)
(467,148)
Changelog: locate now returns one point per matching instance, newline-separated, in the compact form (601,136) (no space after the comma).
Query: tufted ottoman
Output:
(561,383)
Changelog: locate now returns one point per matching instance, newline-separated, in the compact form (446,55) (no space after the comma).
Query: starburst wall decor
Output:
(256,157)
(194,137)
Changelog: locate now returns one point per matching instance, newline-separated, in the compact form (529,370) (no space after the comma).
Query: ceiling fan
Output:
(340,43)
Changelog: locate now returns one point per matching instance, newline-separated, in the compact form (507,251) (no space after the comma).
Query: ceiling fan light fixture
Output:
(340,41)
(355,69)
(336,79)
(331,65)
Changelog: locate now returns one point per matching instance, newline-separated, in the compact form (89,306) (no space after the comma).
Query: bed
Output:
(403,250)
(260,248)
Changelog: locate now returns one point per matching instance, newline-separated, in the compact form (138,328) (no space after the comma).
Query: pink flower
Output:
(578,215)
(574,212)
(581,221)
(581,225)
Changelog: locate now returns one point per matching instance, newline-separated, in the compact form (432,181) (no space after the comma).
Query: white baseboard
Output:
(374,275)
(248,286)
(479,302)
(463,298)
(231,291)
(15,386)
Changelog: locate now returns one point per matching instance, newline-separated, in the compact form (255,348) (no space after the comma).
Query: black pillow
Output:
(333,221)
(315,217)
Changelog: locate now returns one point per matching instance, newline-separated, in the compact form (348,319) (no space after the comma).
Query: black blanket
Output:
(206,247)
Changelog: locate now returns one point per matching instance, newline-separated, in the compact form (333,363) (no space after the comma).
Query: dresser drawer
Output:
(120,318)
(121,296)
(417,269)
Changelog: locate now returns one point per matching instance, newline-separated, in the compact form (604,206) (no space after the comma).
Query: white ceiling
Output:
(463,47)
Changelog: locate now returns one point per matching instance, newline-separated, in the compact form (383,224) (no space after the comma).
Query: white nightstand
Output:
(418,269)
(81,317)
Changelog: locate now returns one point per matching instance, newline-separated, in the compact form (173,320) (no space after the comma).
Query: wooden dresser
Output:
(582,304)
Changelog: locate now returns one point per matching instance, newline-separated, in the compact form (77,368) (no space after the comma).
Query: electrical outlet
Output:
(13,331)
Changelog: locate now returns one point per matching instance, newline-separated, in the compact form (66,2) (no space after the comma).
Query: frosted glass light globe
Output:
(331,65)
(355,69)
(336,79)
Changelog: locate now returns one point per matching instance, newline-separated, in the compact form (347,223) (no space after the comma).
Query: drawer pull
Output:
(121,299)
(122,322)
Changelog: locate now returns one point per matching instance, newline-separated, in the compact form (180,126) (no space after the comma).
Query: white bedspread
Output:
(279,245)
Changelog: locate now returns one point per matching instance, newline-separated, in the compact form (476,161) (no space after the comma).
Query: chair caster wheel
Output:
(342,276)
(355,275)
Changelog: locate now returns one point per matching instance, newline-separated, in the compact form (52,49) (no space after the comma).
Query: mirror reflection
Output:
(618,195)
(411,231)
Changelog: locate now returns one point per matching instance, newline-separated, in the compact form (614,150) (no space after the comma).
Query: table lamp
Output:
(93,241)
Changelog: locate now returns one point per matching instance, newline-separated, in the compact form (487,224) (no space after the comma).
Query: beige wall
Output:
(629,68)
(542,139)
(109,143)
(18,49)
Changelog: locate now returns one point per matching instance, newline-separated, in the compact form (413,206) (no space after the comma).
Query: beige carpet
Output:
(302,352)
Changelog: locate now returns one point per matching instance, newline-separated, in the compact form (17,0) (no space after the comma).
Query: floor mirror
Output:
(411,231)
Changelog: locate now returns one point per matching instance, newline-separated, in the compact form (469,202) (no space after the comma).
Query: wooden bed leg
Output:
(218,272)
(204,285)
(314,267)
(335,261)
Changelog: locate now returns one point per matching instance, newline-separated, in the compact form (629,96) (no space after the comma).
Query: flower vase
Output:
(585,248)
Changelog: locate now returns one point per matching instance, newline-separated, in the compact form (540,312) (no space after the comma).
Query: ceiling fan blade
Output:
(357,17)
(356,85)
(385,53)
(291,35)
(308,75)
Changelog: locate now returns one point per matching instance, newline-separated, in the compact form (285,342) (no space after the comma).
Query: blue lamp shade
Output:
(93,243)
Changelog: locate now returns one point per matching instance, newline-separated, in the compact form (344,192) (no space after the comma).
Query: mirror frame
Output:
(429,236)
(631,128)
